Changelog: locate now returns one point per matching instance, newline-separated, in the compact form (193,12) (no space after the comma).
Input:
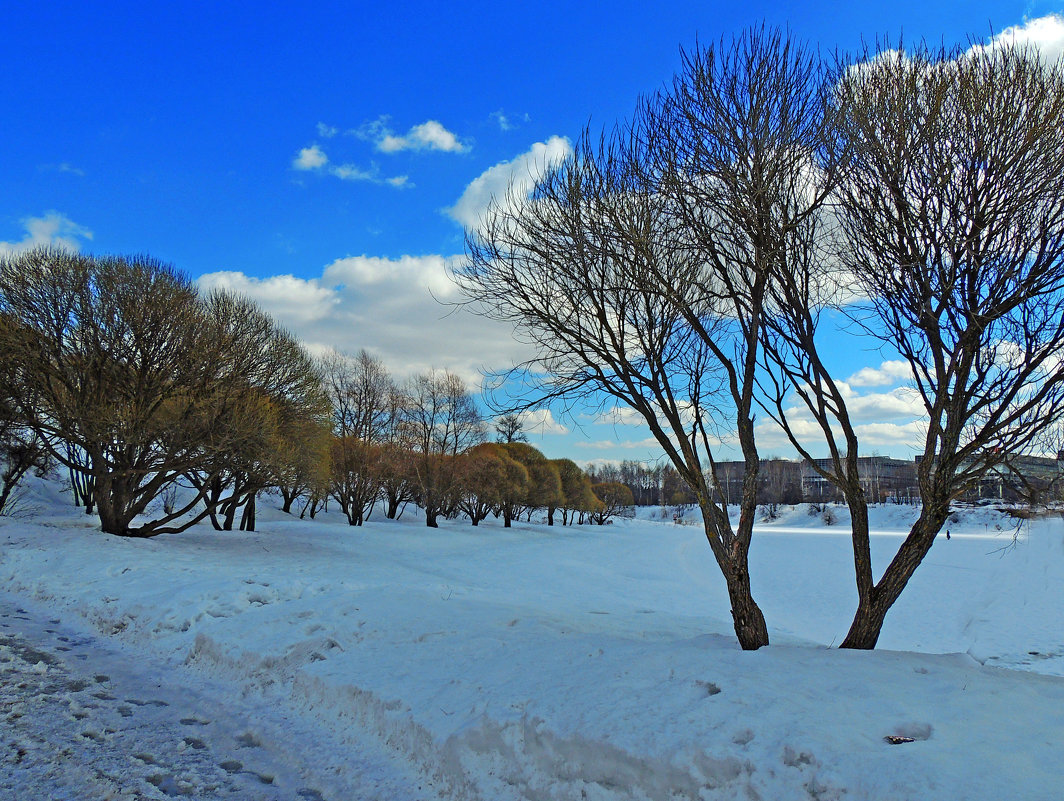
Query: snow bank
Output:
(598,662)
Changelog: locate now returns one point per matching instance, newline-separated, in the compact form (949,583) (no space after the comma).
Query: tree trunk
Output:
(873,606)
(747,618)
(230,514)
(247,519)
(430,518)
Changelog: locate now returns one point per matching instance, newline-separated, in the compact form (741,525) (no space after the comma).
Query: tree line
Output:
(425,442)
(166,407)
(694,262)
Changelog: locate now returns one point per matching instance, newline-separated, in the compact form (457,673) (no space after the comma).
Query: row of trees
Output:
(687,265)
(166,407)
(424,442)
(650,484)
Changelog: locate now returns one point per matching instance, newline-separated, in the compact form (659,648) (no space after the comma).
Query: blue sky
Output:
(324,159)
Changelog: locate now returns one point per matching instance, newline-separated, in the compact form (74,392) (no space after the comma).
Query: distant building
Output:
(1031,479)
(884,480)
(790,481)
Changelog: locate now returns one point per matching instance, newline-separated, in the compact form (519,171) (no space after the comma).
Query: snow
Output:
(86,718)
(588,662)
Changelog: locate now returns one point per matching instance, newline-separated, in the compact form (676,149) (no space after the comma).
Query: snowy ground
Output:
(88,719)
(539,663)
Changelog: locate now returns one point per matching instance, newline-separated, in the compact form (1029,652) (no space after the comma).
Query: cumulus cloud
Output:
(294,301)
(893,421)
(310,158)
(429,135)
(390,307)
(898,404)
(541,421)
(53,229)
(508,180)
(1045,34)
(889,372)
(314,159)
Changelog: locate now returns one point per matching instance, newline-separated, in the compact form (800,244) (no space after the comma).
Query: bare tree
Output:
(510,428)
(273,395)
(640,268)
(20,452)
(951,203)
(440,421)
(949,215)
(365,419)
(363,396)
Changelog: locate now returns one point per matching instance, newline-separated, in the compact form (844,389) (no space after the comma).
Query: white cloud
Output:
(327,131)
(889,372)
(429,135)
(391,307)
(314,159)
(349,172)
(1045,34)
(629,445)
(891,435)
(310,158)
(429,273)
(903,403)
(506,121)
(621,416)
(64,167)
(541,421)
(294,301)
(53,229)
(508,180)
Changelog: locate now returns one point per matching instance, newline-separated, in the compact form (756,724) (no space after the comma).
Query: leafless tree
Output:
(366,414)
(510,428)
(440,421)
(21,451)
(273,396)
(640,268)
(952,207)
(950,250)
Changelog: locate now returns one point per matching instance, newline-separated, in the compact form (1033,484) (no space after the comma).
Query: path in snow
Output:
(82,718)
